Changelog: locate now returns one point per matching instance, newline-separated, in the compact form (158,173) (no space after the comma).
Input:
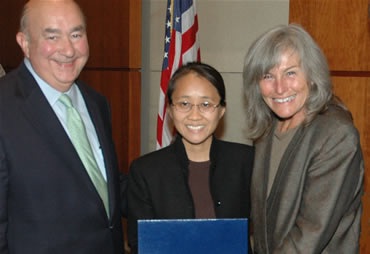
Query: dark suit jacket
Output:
(158,184)
(48,204)
(314,206)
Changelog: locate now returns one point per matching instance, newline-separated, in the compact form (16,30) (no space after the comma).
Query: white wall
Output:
(226,28)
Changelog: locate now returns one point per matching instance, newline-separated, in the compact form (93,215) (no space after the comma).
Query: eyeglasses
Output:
(204,107)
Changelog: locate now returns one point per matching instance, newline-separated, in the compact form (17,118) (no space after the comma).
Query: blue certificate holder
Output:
(193,236)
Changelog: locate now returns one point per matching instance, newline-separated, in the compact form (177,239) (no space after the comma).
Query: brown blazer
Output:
(315,200)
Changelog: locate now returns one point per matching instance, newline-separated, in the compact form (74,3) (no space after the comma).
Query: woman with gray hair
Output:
(308,172)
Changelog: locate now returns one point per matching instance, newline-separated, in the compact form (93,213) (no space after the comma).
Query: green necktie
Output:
(81,143)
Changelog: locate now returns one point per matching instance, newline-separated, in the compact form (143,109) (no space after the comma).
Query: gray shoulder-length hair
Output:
(264,54)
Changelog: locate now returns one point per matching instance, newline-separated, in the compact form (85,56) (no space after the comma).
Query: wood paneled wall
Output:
(342,29)
(114,32)
(10,53)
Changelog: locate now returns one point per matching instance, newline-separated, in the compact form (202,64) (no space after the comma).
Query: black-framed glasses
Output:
(204,107)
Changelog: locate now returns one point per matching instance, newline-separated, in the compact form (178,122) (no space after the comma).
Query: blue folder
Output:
(193,236)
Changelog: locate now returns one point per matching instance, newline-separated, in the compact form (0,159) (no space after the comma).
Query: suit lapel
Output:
(259,190)
(96,114)
(281,175)
(38,112)
(283,170)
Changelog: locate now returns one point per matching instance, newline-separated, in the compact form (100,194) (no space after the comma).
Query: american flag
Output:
(181,46)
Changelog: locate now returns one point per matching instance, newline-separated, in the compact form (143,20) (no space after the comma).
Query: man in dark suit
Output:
(50,201)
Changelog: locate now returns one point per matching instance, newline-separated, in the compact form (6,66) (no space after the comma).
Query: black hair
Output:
(203,70)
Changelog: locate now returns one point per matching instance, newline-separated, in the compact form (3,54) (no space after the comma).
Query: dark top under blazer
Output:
(48,204)
(158,184)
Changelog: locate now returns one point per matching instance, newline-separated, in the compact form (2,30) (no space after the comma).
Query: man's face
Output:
(55,42)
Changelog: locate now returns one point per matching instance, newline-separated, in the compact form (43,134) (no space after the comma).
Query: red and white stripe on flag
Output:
(181,46)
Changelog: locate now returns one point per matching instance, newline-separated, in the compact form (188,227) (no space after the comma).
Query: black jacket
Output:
(48,203)
(158,184)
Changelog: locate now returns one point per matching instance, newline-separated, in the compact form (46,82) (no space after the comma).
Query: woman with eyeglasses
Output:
(197,176)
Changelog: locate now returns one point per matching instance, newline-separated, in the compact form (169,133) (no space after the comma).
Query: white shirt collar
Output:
(51,94)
